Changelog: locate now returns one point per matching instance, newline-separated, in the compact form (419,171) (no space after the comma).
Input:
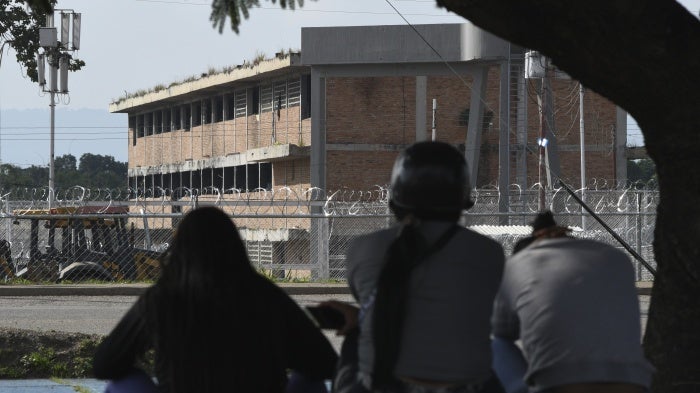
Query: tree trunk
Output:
(644,55)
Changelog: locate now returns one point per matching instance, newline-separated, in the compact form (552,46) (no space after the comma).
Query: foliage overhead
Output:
(234,9)
(19,28)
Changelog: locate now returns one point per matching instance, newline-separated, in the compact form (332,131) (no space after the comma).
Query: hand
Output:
(349,311)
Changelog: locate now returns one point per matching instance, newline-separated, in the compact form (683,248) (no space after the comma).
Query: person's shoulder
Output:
(597,245)
(379,236)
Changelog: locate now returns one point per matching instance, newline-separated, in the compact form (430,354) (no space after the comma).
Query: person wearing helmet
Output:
(426,285)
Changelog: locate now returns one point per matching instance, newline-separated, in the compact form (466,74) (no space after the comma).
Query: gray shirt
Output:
(446,329)
(574,305)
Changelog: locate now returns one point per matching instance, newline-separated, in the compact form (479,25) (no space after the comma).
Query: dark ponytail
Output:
(390,302)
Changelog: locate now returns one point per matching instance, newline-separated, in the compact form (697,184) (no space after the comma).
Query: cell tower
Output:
(56,54)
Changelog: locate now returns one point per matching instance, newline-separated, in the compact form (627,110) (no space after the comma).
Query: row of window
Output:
(239,103)
(242,177)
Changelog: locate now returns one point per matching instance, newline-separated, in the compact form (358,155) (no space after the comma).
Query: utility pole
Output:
(56,54)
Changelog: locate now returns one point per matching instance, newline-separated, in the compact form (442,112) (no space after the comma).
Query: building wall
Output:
(370,119)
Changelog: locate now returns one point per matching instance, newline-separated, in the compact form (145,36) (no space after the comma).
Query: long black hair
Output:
(205,338)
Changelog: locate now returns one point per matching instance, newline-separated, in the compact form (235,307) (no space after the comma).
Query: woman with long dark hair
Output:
(213,322)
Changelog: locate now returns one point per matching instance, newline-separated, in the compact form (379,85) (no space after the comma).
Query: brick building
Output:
(336,115)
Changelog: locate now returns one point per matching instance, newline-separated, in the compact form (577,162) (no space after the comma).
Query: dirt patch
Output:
(27,354)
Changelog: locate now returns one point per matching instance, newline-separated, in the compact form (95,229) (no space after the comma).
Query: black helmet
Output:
(430,180)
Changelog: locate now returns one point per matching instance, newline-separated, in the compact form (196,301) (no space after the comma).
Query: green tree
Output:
(95,171)
(234,9)
(19,27)
(641,171)
(644,55)
(100,171)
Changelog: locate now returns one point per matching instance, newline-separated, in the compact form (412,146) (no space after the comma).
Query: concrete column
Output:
(504,141)
(553,165)
(476,119)
(621,147)
(319,235)
(421,104)
(318,130)
(521,130)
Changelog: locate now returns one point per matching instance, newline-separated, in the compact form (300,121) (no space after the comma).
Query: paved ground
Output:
(96,309)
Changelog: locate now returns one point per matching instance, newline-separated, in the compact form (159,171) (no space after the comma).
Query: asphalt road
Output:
(95,314)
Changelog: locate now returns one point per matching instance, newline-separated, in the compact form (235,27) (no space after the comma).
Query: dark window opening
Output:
(140,126)
(148,185)
(197,179)
(148,123)
(266,175)
(218,178)
(240,177)
(206,111)
(218,109)
(254,107)
(177,118)
(187,116)
(229,178)
(207,177)
(158,122)
(132,127)
(196,113)
(230,105)
(186,179)
(253,177)
(166,120)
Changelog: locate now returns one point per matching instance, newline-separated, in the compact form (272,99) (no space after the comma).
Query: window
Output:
(206,111)
(280,95)
(166,120)
(177,117)
(240,103)
(294,92)
(305,96)
(148,123)
(240,175)
(132,127)
(254,107)
(207,177)
(229,177)
(196,113)
(157,122)
(140,127)
(230,104)
(266,98)
(187,116)
(218,108)
(265,175)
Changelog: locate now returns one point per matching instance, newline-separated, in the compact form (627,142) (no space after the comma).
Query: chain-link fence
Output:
(105,235)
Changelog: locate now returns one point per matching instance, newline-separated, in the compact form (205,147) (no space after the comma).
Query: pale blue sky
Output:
(136,44)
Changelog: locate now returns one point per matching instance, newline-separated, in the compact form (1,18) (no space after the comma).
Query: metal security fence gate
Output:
(293,235)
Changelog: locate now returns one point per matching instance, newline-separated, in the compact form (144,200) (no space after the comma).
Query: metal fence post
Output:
(323,247)
(638,228)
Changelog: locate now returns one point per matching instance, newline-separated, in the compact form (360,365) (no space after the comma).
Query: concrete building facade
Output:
(336,115)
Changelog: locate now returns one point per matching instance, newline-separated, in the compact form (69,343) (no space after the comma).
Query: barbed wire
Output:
(601,196)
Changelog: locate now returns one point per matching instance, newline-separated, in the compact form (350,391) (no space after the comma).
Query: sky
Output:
(130,45)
